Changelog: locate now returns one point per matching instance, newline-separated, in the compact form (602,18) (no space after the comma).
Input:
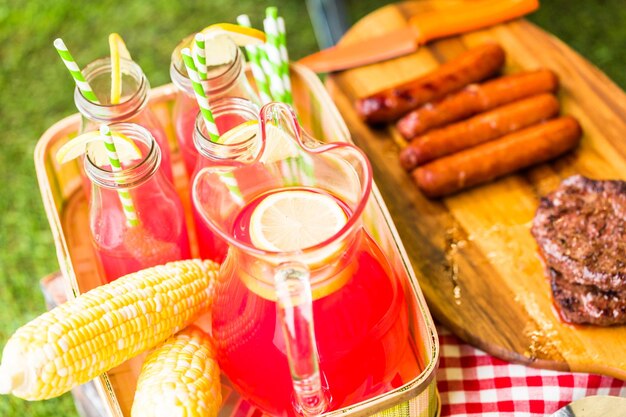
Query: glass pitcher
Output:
(309,316)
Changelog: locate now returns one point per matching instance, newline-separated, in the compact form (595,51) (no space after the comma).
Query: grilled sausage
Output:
(478,129)
(477,98)
(494,159)
(471,66)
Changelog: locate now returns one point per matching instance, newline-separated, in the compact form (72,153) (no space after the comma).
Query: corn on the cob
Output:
(79,340)
(180,378)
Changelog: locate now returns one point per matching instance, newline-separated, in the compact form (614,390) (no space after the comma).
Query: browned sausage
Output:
(477,98)
(494,159)
(478,129)
(471,66)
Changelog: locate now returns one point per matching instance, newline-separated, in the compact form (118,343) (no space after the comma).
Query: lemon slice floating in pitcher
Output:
(118,50)
(92,142)
(292,220)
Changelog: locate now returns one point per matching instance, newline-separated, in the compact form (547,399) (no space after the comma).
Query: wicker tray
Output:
(66,208)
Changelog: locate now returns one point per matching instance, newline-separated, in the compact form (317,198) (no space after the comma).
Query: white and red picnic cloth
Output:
(473,383)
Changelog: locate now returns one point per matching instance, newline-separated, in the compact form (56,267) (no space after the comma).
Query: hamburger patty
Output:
(581,232)
(587,303)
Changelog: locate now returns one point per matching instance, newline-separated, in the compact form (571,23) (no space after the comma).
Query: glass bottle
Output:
(133,106)
(159,234)
(228,113)
(224,80)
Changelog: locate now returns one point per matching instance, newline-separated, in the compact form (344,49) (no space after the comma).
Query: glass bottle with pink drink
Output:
(223,155)
(132,108)
(309,314)
(225,78)
(136,218)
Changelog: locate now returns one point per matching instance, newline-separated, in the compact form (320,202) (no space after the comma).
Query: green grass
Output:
(36,91)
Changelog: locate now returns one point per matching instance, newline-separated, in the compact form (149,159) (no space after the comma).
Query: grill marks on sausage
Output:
(477,98)
(472,66)
(478,129)
(491,160)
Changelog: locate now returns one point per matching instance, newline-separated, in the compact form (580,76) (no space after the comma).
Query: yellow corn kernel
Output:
(180,378)
(98,330)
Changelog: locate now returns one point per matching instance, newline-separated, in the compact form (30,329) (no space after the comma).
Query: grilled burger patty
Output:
(581,232)
(587,303)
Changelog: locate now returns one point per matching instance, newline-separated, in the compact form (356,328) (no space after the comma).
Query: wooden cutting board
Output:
(474,256)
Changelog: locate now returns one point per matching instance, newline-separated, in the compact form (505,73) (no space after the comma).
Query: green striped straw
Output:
(201,97)
(274,82)
(284,59)
(116,166)
(254,57)
(244,20)
(272,49)
(77,75)
(199,55)
(229,180)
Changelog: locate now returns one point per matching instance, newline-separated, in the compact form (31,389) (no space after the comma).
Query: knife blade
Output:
(594,406)
(422,28)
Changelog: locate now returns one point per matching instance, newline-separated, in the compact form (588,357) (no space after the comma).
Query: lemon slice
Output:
(127,150)
(241,35)
(118,50)
(292,220)
(240,133)
(279,145)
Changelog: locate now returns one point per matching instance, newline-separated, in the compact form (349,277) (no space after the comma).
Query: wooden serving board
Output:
(475,259)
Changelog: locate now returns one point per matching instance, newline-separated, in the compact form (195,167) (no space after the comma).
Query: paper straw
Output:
(116,166)
(244,20)
(284,59)
(272,50)
(229,180)
(254,57)
(201,97)
(199,55)
(77,75)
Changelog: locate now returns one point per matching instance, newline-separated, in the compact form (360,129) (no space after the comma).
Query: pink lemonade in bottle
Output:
(132,108)
(224,80)
(234,149)
(159,234)
(359,312)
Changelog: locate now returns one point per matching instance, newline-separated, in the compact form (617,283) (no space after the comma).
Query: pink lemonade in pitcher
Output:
(159,234)
(359,309)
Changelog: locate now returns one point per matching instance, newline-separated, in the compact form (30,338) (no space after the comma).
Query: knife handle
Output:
(468,16)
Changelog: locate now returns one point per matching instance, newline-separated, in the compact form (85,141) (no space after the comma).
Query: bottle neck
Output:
(228,113)
(221,78)
(133,173)
(134,95)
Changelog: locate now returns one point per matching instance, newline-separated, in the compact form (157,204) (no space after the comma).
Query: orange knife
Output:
(422,28)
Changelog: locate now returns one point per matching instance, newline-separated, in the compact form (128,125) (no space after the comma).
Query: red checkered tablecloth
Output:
(473,383)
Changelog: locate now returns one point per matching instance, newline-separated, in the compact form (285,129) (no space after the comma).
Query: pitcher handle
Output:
(295,314)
